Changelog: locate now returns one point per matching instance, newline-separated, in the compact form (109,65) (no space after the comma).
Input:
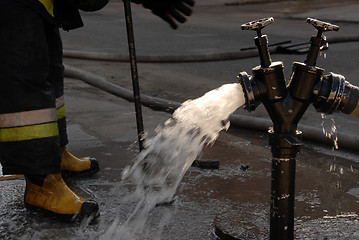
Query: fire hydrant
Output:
(286,103)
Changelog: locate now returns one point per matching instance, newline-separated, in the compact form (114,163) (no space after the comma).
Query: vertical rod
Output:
(315,45)
(282,199)
(134,74)
(263,50)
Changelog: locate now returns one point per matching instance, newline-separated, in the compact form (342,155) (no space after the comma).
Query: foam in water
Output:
(160,167)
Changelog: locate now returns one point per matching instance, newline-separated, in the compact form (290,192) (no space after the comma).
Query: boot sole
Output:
(63,217)
(59,216)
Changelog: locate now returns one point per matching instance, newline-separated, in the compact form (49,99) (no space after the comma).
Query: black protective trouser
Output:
(32,114)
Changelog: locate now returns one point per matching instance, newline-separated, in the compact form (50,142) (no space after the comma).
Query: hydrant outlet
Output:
(335,94)
(250,89)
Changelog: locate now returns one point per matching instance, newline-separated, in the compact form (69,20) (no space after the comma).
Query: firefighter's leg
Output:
(29,132)
(70,164)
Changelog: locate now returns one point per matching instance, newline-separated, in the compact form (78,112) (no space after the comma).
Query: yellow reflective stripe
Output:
(27,118)
(29,132)
(60,102)
(49,5)
(61,112)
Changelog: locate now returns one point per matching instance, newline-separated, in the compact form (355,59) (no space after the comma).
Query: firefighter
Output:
(33,135)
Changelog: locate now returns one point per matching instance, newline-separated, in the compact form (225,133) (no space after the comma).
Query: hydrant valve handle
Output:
(257,24)
(261,41)
(323,26)
(317,42)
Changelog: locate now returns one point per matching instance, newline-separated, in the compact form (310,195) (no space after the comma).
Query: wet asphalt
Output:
(236,196)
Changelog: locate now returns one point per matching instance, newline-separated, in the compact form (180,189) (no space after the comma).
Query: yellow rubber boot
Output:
(54,196)
(71,165)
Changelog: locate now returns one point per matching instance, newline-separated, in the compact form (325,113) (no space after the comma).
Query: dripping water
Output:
(332,132)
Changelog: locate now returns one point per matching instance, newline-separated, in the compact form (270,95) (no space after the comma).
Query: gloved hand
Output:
(169,10)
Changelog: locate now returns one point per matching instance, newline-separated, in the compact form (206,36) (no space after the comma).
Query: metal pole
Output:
(284,150)
(134,74)
(282,199)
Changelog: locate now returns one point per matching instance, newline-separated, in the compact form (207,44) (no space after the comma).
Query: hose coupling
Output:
(251,91)
(334,94)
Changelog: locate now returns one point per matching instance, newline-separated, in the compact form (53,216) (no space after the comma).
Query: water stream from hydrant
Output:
(160,167)
(332,132)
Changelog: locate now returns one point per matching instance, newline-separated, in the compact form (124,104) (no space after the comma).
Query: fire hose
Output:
(186,58)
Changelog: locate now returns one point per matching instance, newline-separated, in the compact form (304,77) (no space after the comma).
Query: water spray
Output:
(286,104)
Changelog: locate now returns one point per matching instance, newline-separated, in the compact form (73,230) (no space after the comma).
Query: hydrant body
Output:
(286,104)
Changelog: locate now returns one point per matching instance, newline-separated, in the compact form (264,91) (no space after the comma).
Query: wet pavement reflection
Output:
(234,197)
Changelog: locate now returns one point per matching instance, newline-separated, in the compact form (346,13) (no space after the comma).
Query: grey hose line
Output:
(154,103)
(183,58)
(311,133)
(160,59)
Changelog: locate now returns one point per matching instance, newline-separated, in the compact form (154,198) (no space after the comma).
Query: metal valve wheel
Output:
(257,24)
(324,26)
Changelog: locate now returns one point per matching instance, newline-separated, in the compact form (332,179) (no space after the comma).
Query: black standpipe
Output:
(285,104)
(134,73)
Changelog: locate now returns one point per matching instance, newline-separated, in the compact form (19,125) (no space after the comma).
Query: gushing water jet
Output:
(161,165)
